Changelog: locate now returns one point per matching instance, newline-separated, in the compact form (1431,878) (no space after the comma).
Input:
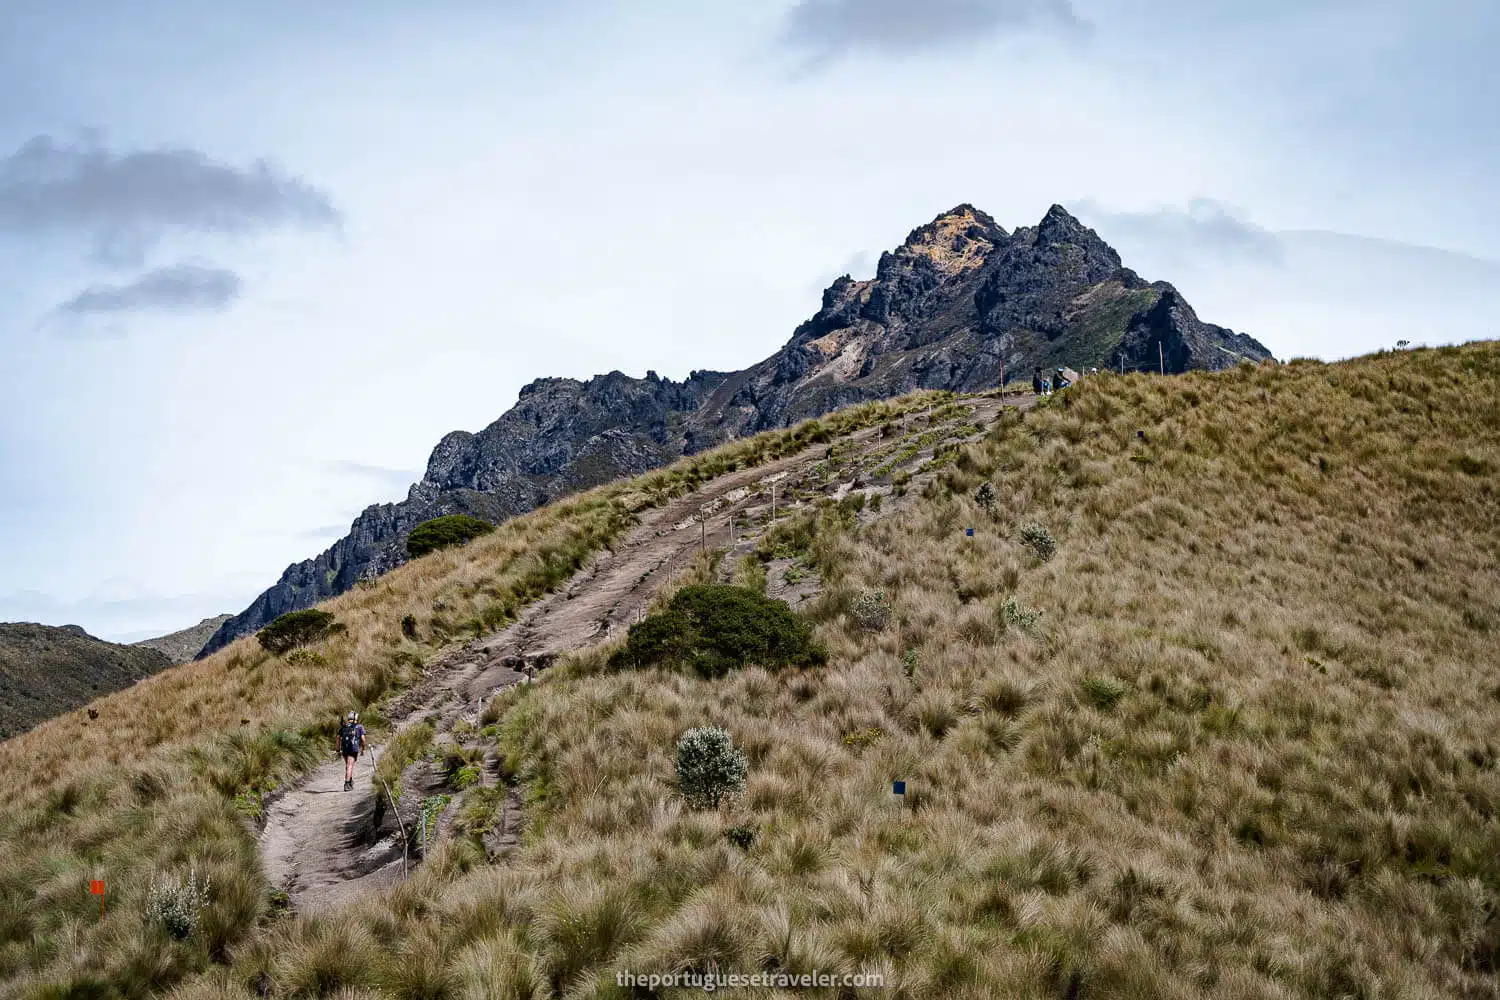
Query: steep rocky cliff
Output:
(957,306)
(562,435)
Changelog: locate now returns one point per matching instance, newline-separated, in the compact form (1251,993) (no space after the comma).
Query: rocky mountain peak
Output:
(546,385)
(956,306)
(1060,227)
(957,241)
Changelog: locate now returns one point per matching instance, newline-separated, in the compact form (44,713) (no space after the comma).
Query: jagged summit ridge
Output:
(957,304)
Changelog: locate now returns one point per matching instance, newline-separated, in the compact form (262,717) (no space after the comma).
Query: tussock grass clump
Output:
(404,749)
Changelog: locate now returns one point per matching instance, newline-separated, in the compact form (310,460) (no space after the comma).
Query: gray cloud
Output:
(1204,228)
(178,287)
(125,202)
(828,28)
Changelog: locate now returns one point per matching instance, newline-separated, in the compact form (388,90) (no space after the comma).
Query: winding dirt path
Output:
(320,843)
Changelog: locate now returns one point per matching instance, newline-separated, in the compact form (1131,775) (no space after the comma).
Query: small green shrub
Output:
(1102,692)
(986,499)
(1039,540)
(432,808)
(714,628)
(860,740)
(872,611)
(306,658)
(466,777)
(442,532)
(174,904)
(1019,616)
(740,836)
(297,628)
(709,767)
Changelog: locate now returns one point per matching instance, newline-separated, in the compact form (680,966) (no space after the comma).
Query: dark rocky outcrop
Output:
(47,670)
(958,305)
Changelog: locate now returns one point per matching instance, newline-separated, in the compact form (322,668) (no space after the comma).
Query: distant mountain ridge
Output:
(959,304)
(184,644)
(47,670)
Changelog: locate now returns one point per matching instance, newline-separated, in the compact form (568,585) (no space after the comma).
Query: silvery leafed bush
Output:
(709,766)
(174,904)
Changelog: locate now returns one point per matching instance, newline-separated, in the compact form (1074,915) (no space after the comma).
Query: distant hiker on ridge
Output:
(1037,385)
(351,742)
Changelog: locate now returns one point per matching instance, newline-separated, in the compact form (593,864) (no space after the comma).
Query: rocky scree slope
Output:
(47,670)
(957,306)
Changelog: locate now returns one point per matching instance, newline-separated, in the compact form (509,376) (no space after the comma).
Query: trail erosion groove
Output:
(324,846)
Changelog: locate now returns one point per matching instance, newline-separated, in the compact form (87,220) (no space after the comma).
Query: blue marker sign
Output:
(969,532)
(898,788)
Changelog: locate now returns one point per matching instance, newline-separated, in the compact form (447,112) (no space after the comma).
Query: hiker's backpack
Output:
(349,739)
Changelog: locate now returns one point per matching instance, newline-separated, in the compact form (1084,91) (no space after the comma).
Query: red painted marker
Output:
(96,888)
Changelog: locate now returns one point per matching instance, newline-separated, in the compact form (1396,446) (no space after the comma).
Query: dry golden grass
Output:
(167,775)
(1246,750)
(1246,747)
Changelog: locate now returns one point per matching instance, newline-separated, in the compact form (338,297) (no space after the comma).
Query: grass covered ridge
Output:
(1235,738)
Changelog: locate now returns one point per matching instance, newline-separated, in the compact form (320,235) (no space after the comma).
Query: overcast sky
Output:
(257,258)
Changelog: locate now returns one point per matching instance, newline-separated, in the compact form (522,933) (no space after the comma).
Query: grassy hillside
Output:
(45,671)
(1235,738)
(167,776)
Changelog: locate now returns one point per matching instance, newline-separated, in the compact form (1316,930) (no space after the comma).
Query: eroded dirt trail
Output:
(321,844)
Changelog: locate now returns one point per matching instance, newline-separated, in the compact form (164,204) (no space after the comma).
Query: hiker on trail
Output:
(1037,385)
(1060,381)
(351,743)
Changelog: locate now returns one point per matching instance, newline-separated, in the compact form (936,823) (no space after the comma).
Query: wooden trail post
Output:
(1162,357)
(405,842)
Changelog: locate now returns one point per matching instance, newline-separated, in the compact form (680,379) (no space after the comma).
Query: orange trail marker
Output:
(96,888)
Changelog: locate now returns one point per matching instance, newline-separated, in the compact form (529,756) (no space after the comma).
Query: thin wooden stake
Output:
(1161,355)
